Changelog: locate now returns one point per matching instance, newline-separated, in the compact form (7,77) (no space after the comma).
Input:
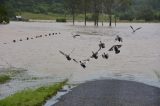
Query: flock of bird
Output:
(95,55)
(35,37)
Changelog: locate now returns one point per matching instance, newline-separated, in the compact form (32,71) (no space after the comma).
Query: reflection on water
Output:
(138,61)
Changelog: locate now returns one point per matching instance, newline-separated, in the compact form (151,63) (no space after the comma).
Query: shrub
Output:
(61,20)
(4,78)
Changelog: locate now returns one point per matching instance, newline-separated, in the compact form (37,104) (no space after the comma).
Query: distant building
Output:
(18,18)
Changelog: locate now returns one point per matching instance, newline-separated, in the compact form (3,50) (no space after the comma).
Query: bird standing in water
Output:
(14,41)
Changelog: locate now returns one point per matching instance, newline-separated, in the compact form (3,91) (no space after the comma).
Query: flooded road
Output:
(139,59)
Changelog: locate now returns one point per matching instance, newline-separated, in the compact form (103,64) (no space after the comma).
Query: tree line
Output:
(97,8)
(93,10)
(147,10)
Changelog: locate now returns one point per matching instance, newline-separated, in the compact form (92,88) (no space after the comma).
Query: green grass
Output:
(54,16)
(78,17)
(35,16)
(4,79)
(32,97)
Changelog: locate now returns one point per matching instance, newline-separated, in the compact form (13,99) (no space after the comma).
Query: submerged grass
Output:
(4,78)
(31,97)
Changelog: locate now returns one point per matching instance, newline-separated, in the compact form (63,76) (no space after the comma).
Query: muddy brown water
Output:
(139,59)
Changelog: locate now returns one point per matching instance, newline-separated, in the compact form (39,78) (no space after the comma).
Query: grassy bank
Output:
(49,16)
(32,97)
(54,16)
(78,17)
(4,79)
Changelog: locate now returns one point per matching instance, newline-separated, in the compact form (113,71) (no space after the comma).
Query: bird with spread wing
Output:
(115,48)
(134,30)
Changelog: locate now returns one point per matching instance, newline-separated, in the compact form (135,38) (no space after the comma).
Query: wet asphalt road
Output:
(111,93)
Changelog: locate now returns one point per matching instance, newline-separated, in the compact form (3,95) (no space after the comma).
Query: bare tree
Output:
(96,11)
(114,5)
(72,7)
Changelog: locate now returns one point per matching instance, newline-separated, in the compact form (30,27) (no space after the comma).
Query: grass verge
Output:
(32,97)
(4,79)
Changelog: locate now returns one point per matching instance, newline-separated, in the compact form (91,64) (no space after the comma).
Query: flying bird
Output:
(101,45)
(76,35)
(115,48)
(75,60)
(87,60)
(119,39)
(83,64)
(134,30)
(66,55)
(95,54)
(105,56)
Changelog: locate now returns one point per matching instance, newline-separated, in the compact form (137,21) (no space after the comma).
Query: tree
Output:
(3,13)
(96,10)
(114,5)
(146,13)
(86,6)
(72,6)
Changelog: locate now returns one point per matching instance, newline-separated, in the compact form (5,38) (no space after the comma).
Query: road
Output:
(112,93)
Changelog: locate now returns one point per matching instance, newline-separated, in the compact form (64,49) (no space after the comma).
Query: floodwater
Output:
(139,59)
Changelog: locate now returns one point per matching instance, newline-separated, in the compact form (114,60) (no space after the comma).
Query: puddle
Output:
(66,89)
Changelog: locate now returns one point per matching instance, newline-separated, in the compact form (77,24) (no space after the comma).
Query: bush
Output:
(145,13)
(61,20)
(4,79)
(126,16)
(157,16)
(90,18)
(4,19)
(3,15)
